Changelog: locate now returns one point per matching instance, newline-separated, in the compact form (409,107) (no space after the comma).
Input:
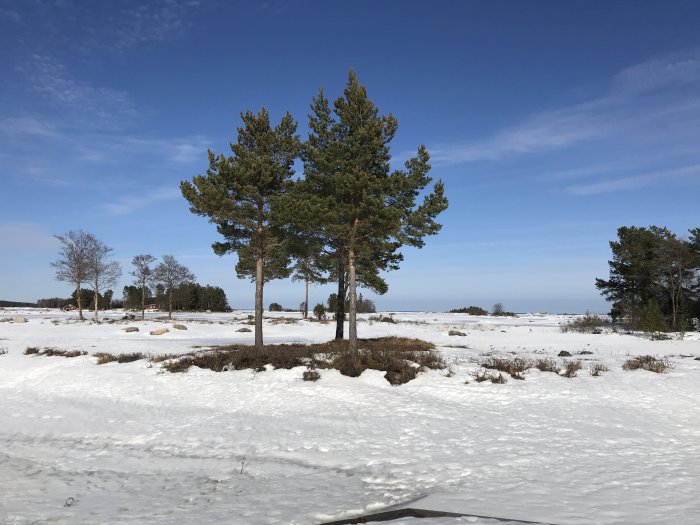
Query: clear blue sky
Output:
(551,123)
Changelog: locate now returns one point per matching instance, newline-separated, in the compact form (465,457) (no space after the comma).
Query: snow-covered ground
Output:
(131,444)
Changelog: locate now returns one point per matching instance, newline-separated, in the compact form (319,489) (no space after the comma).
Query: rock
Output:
(696,359)
(19,320)
(585,352)
(456,332)
(159,331)
(564,353)
(244,329)
(179,327)
(131,329)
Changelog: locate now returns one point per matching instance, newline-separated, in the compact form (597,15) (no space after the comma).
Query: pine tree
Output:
(239,194)
(362,210)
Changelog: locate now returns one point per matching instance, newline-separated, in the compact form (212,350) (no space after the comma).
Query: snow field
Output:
(134,445)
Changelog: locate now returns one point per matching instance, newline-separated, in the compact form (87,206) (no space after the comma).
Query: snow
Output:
(133,444)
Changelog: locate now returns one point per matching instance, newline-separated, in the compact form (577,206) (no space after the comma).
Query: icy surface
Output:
(131,444)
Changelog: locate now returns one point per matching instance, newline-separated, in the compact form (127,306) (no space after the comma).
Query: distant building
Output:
(151,307)
(69,308)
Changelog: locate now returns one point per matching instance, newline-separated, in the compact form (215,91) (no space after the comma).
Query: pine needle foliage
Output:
(239,194)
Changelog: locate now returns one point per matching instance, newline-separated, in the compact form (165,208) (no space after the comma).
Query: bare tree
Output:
(103,272)
(497,309)
(172,274)
(73,265)
(143,274)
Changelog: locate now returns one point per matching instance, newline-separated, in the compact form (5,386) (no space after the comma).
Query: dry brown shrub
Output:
(647,362)
(571,368)
(515,366)
(597,369)
(400,358)
(547,365)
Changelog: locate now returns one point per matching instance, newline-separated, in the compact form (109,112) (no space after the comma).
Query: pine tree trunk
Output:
(259,272)
(306,299)
(340,306)
(170,304)
(353,305)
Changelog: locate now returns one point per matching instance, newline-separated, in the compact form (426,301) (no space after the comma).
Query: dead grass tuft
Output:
(515,366)
(483,375)
(597,369)
(571,368)
(311,375)
(547,365)
(647,362)
(53,352)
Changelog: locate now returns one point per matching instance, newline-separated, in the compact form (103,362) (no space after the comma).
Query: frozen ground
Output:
(131,444)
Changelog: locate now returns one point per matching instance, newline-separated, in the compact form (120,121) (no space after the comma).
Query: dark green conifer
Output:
(351,199)
(239,195)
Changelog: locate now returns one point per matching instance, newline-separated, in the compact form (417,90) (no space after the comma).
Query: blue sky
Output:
(551,123)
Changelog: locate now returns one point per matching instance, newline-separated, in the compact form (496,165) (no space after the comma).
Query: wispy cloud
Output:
(660,93)
(98,106)
(550,130)
(155,21)
(131,204)
(636,181)
(23,126)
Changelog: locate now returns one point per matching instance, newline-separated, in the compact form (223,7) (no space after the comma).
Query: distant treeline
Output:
(186,297)
(16,304)
(190,297)
(496,310)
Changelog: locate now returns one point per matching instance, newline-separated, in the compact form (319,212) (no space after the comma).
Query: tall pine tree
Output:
(351,199)
(239,194)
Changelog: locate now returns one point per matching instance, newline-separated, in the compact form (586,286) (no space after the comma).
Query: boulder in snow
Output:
(159,331)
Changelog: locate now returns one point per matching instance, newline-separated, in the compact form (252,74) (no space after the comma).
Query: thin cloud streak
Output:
(631,107)
(635,182)
(129,205)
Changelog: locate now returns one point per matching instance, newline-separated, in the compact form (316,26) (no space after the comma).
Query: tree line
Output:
(186,297)
(85,260)
(343,220)
(654,282)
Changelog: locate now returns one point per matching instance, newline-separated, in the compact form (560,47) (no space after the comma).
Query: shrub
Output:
(104,357)
(128,358)
(516,367)
(546,365)
(647,362)
(400,358)
(383,319)
(3,351)
(651,318)
(597,369)
(53,352)
(275,307)
(589,323)
(571,368)
(483,375)
(320,311)
(311,375)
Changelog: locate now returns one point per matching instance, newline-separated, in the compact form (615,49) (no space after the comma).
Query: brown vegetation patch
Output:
(547,365)
(647,362)
(53,352)
(571,368)
(516,366)
(400,358)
